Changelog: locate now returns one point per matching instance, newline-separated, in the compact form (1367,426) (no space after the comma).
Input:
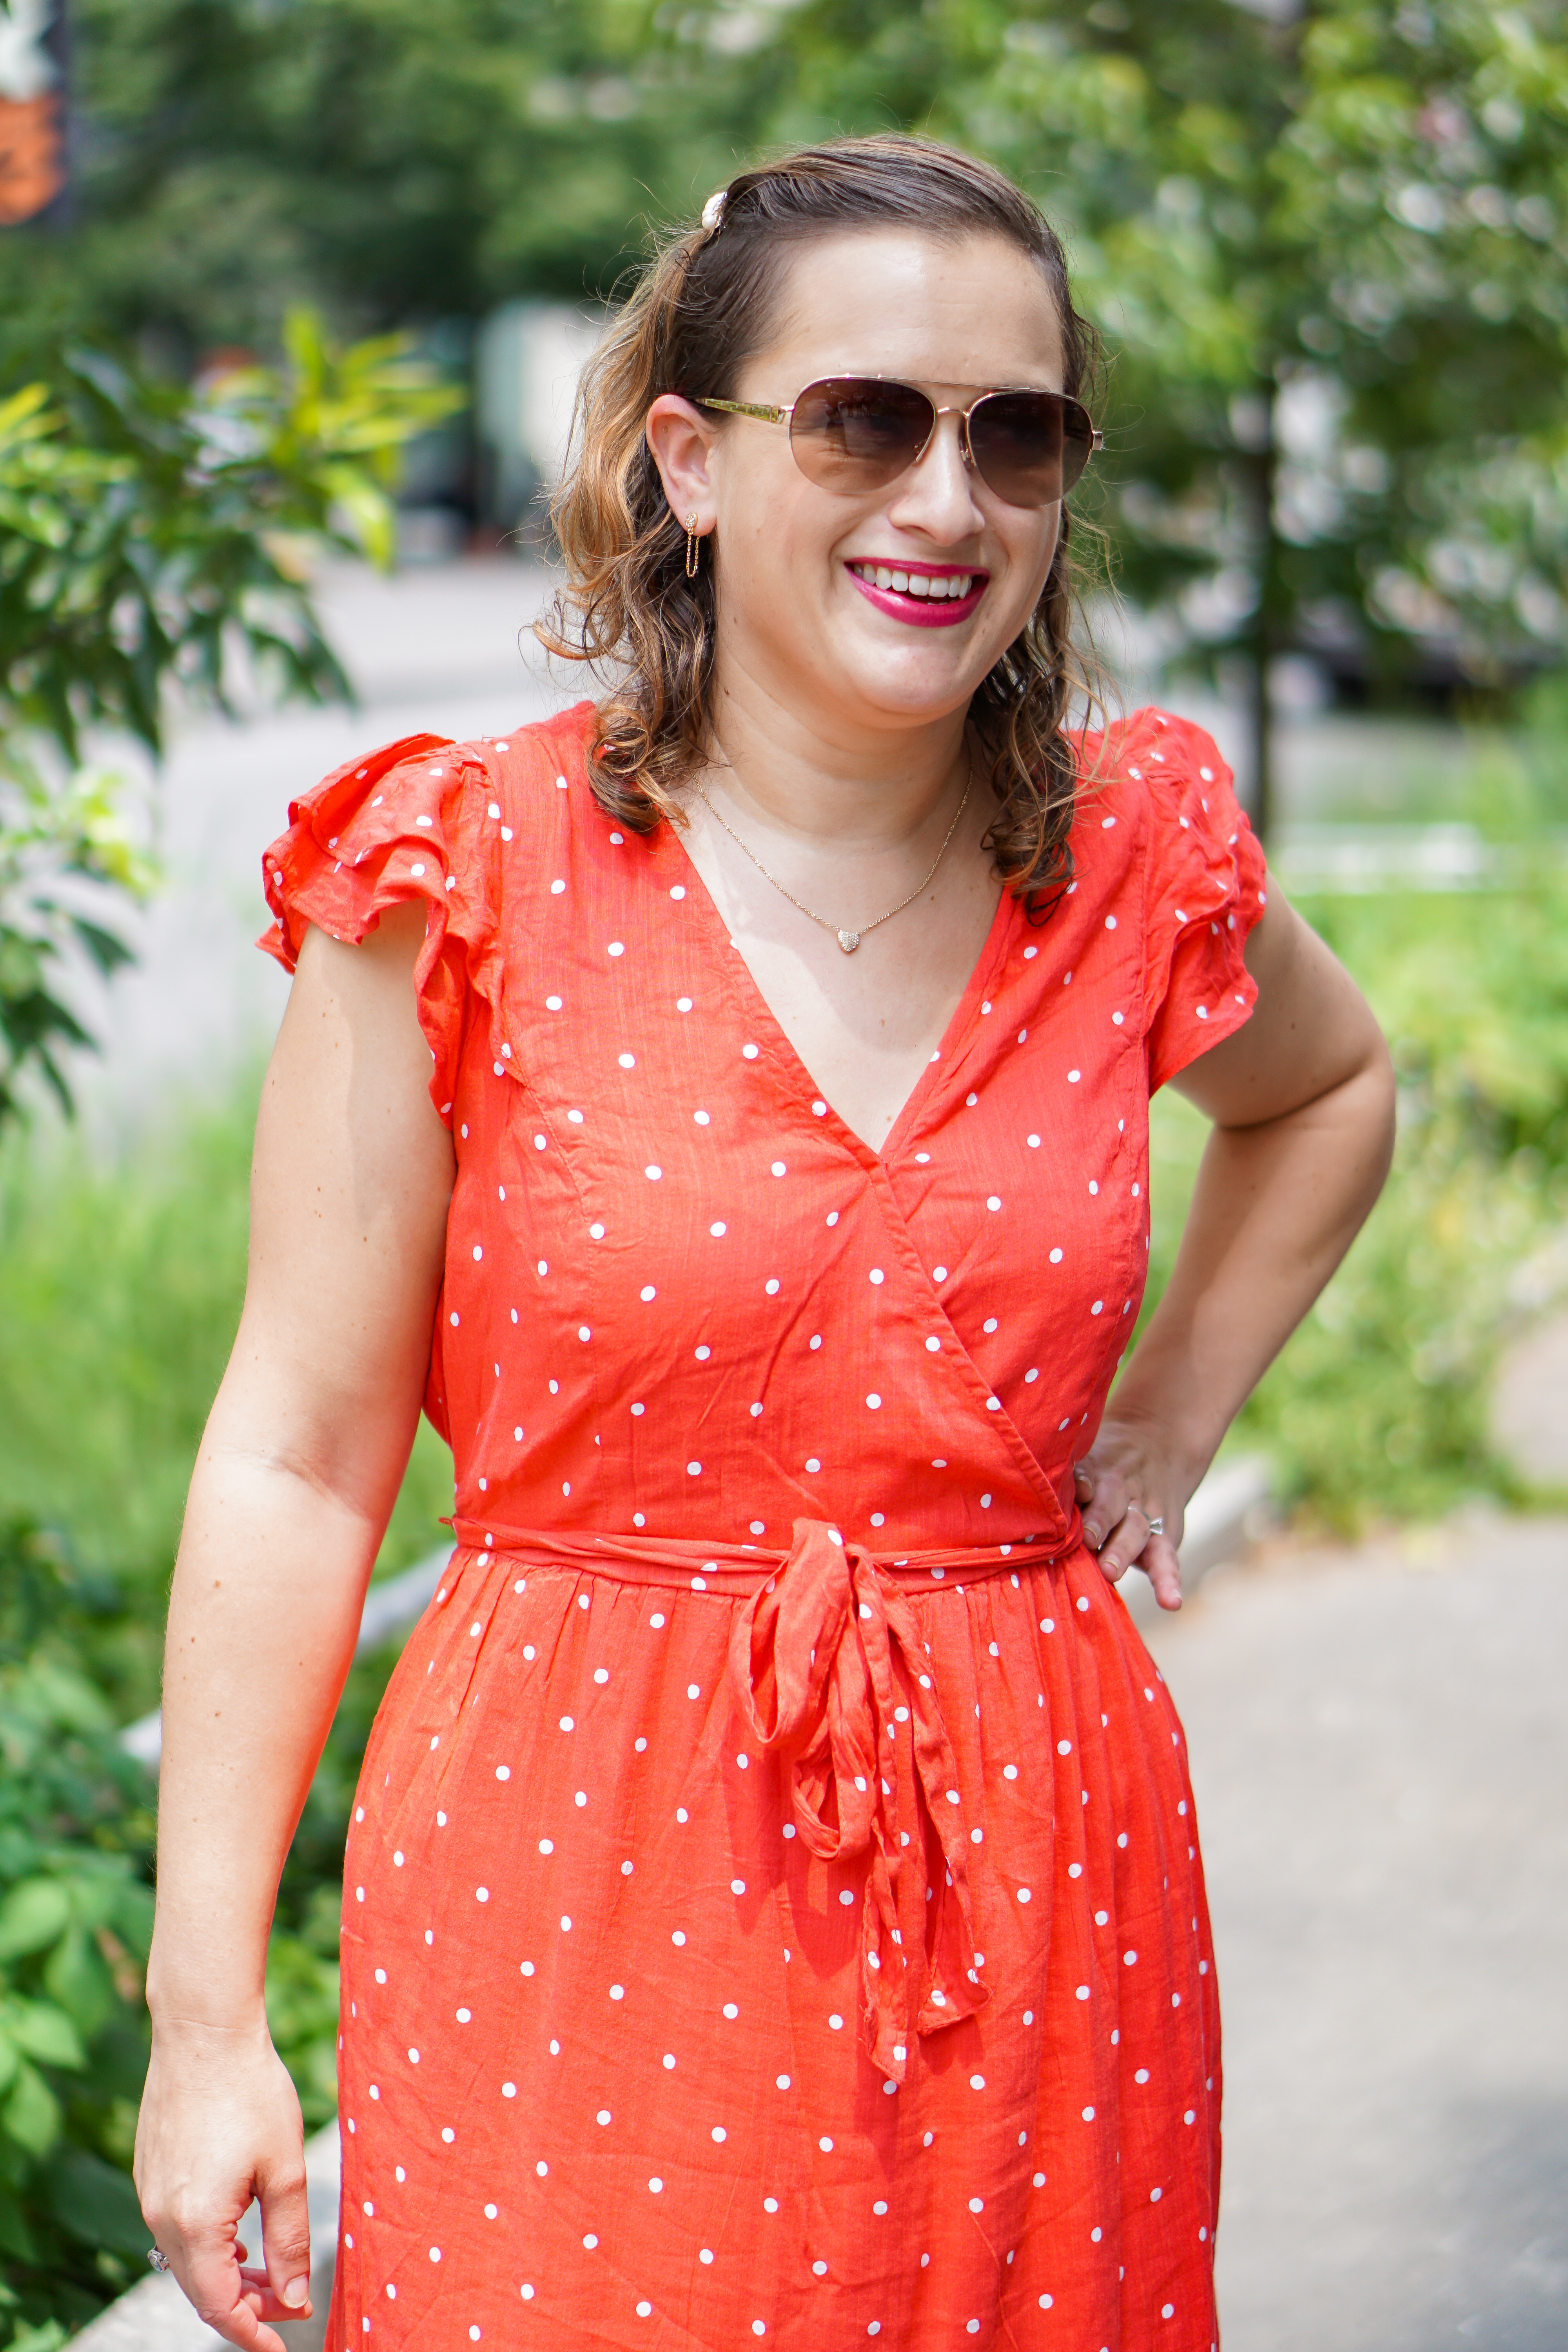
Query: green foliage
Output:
(119,1289)
(1327,246)
(1377,1408)
(151,537)
(76,1917)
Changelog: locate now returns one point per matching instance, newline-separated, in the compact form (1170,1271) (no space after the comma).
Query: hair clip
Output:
(713,210)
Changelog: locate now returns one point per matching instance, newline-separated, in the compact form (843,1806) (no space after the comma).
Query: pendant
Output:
(849,941)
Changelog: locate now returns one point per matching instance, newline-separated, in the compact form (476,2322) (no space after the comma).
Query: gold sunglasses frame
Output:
(775,413)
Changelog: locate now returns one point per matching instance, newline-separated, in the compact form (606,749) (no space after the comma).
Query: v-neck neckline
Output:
(781,1046)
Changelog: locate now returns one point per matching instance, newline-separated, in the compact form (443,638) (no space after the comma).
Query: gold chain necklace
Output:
(847,941)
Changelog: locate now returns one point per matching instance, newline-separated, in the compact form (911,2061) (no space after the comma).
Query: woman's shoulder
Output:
(1157,788)
(1146,754)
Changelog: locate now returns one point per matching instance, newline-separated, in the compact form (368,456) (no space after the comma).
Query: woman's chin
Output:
(916,685)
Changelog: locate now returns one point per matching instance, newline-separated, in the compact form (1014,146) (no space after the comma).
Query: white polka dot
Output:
(873,1399)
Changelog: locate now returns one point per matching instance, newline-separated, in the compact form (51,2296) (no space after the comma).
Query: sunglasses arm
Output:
(748,408)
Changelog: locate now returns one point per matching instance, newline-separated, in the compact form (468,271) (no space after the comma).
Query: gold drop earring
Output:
(693,545)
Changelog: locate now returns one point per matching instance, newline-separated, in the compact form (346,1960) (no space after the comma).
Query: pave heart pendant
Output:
(849,941)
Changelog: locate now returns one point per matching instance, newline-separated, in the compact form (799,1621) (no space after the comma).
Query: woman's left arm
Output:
(1302,1099)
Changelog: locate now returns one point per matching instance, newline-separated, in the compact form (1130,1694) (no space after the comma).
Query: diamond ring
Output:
(157,2258)
(1156,1527)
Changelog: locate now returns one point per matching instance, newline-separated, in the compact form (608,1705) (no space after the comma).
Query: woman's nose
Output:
(938,491)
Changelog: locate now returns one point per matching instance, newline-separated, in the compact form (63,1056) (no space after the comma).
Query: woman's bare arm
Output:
(297,1472)
(1303,1101)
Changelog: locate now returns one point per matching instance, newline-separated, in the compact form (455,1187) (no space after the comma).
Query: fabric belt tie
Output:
(824,1660)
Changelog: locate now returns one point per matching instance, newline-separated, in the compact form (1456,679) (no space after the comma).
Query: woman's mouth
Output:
(925,594)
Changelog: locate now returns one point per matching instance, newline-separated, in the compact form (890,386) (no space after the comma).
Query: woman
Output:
(773,1904)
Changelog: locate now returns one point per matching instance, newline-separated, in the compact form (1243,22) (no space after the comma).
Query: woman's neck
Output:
(821,782)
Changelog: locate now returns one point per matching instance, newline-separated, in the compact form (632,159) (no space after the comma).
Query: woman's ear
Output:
(682,440)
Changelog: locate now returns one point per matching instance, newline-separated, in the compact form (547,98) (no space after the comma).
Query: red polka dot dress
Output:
(772,1910)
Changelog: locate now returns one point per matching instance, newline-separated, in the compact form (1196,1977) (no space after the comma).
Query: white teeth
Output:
(956,584)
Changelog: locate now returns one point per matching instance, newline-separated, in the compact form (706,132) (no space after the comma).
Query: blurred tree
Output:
(148,535)
(1326,243)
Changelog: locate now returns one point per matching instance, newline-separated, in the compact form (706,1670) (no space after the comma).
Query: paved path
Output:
(1380,1744)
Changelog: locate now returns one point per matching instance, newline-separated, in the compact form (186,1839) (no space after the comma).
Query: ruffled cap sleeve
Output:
(403,825)
(1206,885)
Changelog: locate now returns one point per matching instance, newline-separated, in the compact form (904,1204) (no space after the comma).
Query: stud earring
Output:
(693,545)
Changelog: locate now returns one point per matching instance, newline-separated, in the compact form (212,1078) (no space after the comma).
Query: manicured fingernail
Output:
(297,2292)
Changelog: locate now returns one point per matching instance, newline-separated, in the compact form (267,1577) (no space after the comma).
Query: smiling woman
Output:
(773,1905)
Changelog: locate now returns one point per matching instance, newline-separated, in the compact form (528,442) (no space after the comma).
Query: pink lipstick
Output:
(945,593)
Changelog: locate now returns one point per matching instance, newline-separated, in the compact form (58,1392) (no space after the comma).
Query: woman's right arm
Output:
(297,1472)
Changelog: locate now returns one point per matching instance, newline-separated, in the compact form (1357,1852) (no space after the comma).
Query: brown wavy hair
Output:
(701,308)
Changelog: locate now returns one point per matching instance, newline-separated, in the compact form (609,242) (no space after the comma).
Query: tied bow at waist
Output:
(831,1676)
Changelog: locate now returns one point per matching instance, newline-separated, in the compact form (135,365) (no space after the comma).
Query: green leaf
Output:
(16,2238)
(77,1976)
(48,2336)
(31,2115)
(45,2033)
(33,1914)
(10,2059)
(96,2203)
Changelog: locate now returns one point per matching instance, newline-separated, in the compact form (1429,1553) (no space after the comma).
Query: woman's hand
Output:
(220,2124)
(1128,1479)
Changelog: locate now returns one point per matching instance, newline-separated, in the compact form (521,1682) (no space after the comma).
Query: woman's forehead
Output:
(955,313)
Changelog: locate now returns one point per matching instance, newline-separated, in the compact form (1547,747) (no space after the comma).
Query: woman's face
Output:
(797,613)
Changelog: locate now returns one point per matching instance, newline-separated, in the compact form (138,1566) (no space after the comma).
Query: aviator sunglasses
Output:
(856,434)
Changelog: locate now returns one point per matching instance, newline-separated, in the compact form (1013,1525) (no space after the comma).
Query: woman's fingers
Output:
(1125,1543)
(1163,1570)
(284,2199)
(1102,1496)
(1133,1542)
(222,2293)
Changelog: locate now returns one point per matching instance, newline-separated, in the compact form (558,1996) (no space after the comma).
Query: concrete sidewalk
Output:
(1380,1744)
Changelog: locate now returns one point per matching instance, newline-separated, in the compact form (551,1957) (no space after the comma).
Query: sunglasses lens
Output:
(853,433)
(1031,446)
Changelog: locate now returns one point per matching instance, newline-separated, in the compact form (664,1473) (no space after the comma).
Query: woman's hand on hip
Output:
(1127,1482)
(220,2124)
